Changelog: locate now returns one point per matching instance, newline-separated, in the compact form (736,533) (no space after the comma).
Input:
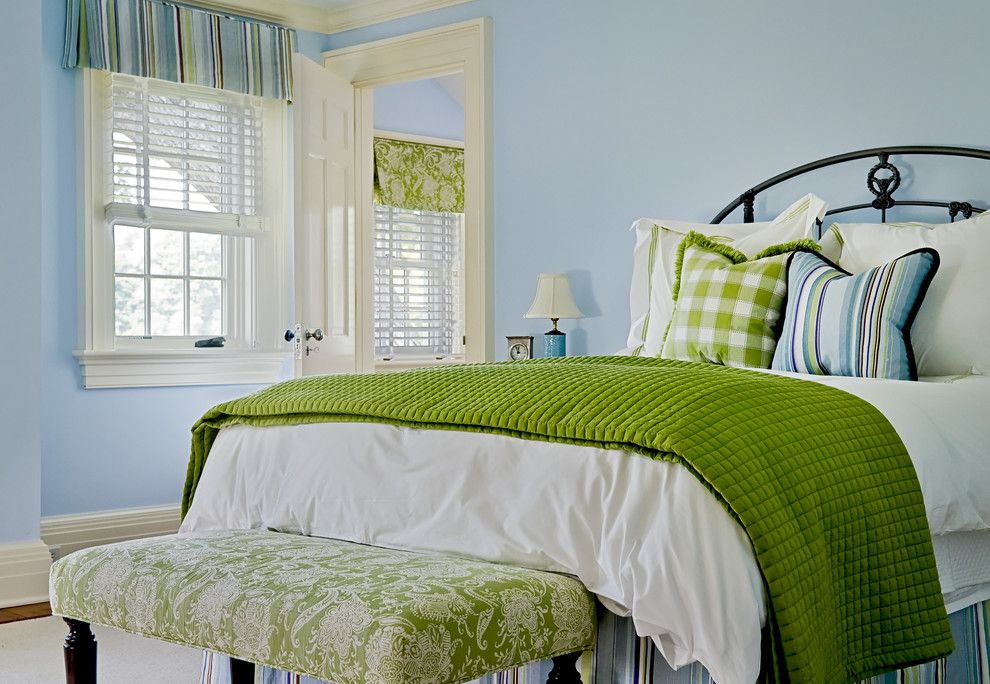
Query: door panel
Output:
(323,123)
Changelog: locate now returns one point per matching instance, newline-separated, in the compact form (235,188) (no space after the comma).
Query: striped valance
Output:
(411,175)
(175,42)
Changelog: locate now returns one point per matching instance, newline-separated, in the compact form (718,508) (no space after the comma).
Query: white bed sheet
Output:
(945,426)
(963,561)
(647,537)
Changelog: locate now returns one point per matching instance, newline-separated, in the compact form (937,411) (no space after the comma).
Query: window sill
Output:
(170,368)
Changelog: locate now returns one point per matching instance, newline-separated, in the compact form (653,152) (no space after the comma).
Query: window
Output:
(184,227)
(178,154)
(419,288)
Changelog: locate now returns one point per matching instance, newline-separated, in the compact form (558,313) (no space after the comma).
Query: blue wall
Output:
(21,192)
(602,114)
(420,107)
(605,112)
(100,449)
(311,44)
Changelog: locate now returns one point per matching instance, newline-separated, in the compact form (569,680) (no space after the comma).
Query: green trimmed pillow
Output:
(727,308)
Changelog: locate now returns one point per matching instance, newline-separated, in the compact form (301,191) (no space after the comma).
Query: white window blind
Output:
(419,283)
(183,148)
(183,179)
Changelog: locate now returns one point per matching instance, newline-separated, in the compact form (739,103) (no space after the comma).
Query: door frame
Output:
(463,47)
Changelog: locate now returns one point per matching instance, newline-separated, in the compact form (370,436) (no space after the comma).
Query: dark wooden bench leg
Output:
(565,669)
(80,653)
(241,672)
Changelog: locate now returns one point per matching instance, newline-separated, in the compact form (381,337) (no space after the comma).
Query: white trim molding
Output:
(307,16)
(172,368)
(421,139)
(286,12)
(367,12)
(463,47)
(24,573)
(73,532)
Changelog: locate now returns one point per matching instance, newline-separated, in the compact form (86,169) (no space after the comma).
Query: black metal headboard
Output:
(882,181)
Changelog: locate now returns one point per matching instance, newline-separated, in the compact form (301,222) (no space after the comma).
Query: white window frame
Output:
(108,361)
(408,360)
(463,47)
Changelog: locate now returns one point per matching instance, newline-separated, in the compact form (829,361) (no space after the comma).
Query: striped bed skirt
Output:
(621,657)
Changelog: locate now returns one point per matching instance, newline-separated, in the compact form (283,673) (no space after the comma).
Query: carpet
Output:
(31,653)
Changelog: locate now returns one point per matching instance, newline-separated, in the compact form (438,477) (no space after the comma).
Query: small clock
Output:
(520,347)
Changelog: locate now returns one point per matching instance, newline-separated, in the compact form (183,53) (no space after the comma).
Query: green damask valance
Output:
(412,175)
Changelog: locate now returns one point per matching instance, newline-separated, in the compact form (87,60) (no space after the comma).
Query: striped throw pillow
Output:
(727,308)
(858,325)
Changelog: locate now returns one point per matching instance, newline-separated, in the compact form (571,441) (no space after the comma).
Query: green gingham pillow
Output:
(727,308)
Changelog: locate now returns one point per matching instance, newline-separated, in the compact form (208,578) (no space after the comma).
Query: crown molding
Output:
(368,12)
(286,12)
(355,14)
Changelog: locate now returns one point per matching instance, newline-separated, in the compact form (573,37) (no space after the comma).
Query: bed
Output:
(647,537)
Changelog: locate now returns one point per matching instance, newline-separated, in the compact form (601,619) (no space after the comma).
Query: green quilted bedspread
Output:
(817,477)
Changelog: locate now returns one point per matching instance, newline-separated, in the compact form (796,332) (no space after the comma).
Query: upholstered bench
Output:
(333,610)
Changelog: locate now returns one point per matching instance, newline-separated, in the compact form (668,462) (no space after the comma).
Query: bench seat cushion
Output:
(333,610)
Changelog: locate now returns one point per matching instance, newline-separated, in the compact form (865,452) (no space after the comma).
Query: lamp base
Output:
(554,344)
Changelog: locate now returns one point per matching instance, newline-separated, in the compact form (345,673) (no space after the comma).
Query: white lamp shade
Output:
(553,298)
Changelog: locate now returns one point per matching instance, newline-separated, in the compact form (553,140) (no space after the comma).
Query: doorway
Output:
(418,233)
(453,61)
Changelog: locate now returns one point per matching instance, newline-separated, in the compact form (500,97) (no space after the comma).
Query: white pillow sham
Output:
(951,335)
(654,257)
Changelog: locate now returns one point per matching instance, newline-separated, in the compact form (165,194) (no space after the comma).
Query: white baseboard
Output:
(24,565)
(68,533)
(24,573)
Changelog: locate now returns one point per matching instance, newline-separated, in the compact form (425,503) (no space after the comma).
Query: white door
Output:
(323,134)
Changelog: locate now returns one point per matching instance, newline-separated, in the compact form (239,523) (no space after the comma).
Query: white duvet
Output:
(645,536)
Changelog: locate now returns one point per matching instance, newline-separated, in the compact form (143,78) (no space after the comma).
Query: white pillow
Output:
(651,293)
(951,334)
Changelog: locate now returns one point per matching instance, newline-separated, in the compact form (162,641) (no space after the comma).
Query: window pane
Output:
(129,306)
(128,249)
(205,255)
(205,307)
(168,306)
(167,256)
(419,304)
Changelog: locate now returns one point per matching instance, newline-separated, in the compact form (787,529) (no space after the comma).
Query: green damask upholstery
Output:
(334,610)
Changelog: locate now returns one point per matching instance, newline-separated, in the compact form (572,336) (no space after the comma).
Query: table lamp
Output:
(554,301)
